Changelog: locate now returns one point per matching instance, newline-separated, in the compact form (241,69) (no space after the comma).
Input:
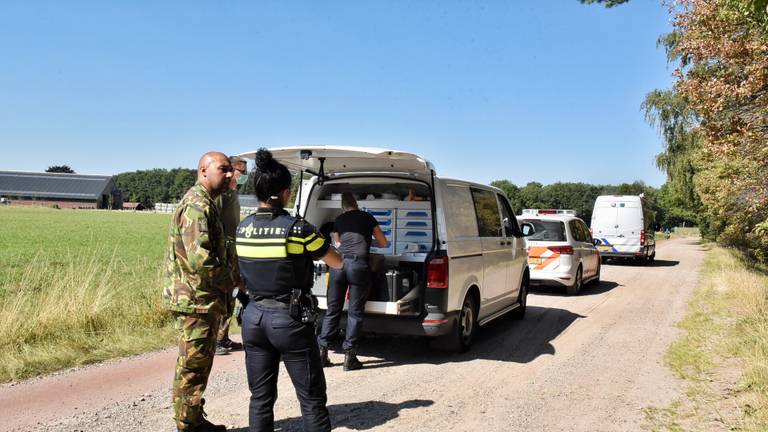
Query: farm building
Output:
(59,189)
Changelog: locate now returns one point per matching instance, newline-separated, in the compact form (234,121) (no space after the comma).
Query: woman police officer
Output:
(275,252)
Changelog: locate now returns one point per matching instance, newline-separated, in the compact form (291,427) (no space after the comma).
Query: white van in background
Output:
(456,257)
(625,227)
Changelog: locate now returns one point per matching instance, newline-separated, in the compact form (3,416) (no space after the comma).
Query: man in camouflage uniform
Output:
(229,203)
(198,273)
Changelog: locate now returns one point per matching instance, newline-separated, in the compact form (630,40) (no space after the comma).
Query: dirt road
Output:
(587,363)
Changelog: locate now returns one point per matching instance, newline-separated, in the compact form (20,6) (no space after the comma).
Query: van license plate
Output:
(603,248)
(534,260)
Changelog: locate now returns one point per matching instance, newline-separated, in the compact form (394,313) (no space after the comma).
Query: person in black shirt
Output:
(354,230)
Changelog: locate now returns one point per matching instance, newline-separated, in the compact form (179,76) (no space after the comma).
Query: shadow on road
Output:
(503,339)
(633,263)
(587,290)
(355,416)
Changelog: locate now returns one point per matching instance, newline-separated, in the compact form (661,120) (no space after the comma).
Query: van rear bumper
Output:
(432,324)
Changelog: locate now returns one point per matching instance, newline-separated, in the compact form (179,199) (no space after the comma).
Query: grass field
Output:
(79,286)
(723,352)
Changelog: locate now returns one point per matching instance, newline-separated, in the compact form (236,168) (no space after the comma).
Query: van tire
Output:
(522,299)
(462,335)
(577,282)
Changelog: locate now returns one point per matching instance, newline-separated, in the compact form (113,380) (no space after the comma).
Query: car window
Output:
(576,233)
(547,230)
(508,217)
(487,213)
(587,234)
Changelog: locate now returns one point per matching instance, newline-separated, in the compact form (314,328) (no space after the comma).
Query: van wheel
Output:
(463,333)
(576,287)
(522,299)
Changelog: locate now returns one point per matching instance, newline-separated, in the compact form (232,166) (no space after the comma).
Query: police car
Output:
(561,252)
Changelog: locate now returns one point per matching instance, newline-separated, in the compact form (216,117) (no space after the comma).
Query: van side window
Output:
(487,212)
(460,216)
(508,217)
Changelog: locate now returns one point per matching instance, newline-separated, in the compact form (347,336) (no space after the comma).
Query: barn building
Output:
(60,189)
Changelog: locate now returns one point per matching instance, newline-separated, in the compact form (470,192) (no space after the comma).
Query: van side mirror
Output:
(527,229)
(596,242)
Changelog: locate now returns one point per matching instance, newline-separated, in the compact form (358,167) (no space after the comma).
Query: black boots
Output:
(324,359)
(351,362)
(350,359)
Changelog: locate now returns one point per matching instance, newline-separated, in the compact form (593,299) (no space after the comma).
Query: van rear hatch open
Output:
(334,160)
(384,181)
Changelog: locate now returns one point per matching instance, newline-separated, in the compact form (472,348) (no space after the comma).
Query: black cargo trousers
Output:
(356,275)
(269,334)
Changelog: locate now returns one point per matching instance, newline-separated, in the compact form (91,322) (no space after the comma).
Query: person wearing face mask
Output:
(198,274)
(275,252)
(229,203)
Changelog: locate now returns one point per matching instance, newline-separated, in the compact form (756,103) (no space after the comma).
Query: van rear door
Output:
(349,160)
(604,219)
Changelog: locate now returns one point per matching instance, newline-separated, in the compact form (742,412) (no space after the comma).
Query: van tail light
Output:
(642,237)
(562,250)
(437,273)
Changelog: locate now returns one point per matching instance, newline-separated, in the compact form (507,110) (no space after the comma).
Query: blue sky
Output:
(522,90)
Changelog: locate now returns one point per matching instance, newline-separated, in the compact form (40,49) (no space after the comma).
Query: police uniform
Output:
(197,275)
(275,251)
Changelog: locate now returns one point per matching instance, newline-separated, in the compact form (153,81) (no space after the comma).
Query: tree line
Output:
(581,197)
(155,185)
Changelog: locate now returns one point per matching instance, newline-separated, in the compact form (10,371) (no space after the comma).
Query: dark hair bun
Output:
(265,162)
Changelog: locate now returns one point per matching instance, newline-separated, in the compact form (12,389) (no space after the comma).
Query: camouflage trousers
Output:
(197,345)
(226,319)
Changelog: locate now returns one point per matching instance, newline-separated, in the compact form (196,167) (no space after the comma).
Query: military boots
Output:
(351,362)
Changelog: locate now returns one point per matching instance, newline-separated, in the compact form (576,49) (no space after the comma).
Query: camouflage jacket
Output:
(198,271)
(229,208)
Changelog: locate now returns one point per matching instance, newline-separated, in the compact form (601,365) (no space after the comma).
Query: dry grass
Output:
(80,314)
(723,353)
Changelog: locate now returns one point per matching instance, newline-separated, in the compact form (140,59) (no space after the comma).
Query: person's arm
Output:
(201,262)
(336,239)
(332,258)
(381,239)
(318,246)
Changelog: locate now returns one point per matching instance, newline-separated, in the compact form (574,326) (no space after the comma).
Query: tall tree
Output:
(723,74)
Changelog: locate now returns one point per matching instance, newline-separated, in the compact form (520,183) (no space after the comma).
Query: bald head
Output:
(214,172)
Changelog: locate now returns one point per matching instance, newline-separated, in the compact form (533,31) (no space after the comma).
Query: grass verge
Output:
(77,287)
(723,353)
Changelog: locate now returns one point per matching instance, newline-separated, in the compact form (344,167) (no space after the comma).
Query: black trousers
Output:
(270,334)
(356,275)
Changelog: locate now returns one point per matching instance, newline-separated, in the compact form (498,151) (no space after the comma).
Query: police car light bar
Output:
(541,212)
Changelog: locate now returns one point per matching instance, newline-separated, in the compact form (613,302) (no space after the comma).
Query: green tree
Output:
(60,169)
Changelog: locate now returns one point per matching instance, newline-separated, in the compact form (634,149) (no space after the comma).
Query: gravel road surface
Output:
(591,362)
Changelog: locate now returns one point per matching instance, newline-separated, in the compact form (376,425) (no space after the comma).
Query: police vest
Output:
(272,252)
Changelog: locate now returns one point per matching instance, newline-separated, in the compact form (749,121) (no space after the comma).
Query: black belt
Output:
(282,298)
(355,257)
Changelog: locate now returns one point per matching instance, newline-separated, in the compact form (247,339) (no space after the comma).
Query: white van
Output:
(625,227)
(456,257)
